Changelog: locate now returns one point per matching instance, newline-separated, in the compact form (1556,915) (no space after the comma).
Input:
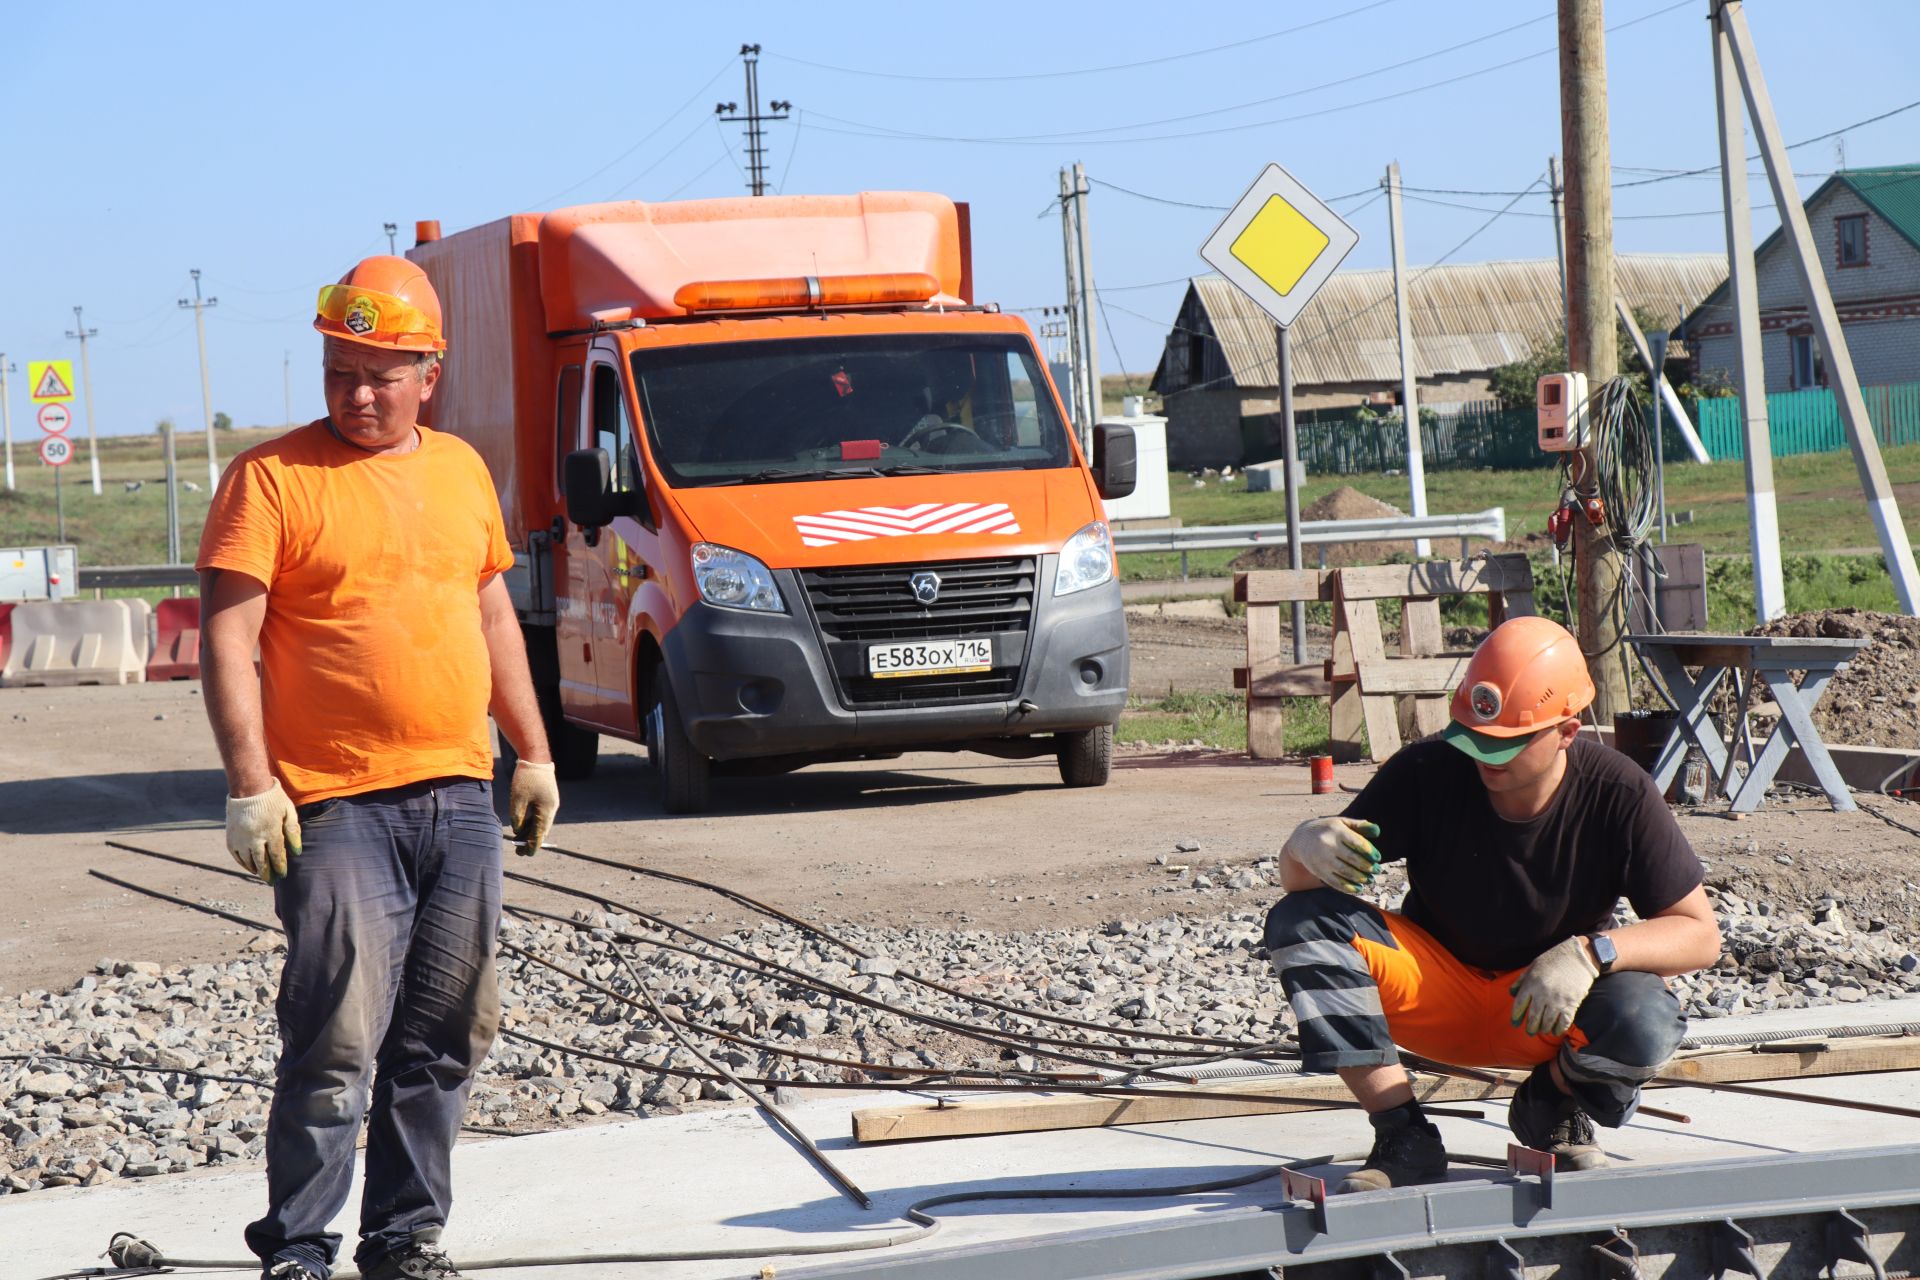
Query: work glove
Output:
(1549,993)
(531,803)
(1338,852)
(263,831)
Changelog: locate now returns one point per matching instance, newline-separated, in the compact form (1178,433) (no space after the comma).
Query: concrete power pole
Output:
(1070,243)
(6,412)
(756,136)
(1409,395)
(81,332)
(1590,339)
(1090,342)
(1554,193)
(199,307)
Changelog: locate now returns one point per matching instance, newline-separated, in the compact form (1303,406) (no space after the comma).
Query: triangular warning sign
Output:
(52,386)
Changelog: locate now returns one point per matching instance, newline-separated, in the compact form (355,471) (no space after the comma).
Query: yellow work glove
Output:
(263,831)
(1549,993)
(531,803)
(1338,852)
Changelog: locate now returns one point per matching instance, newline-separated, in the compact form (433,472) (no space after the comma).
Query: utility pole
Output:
(1590,340)
(1554,192)
(199,308)
(1090,339)
(6,412)
(173,491)
(1409,395)
(81,332)
(389,228)
(756,136)
(286,381)
(1070,242)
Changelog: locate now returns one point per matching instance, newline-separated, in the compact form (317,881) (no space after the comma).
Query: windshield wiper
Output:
(774,475)
(770,475)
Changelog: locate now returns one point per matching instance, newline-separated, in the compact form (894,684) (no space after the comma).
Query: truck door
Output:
(620,561)
(573,598)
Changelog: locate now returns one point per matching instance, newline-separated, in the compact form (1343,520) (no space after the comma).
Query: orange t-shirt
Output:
(374,671)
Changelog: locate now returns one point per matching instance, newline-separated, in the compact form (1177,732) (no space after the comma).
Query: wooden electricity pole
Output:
(1590,340)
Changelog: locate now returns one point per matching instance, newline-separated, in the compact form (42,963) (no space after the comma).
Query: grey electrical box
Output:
(39,573)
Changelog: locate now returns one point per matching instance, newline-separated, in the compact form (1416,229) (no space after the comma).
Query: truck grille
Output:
(855,607)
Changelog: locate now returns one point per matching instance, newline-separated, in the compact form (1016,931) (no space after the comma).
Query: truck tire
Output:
(1086,756)
(683,773)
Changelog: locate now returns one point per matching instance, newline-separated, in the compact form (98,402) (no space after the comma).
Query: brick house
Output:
(1866,224)
(1468,319)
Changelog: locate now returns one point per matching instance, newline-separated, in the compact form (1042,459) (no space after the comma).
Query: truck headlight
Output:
(733,579)
(1086,560)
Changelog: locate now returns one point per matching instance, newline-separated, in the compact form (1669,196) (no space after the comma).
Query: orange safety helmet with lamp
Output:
(1527,676)
(384,302)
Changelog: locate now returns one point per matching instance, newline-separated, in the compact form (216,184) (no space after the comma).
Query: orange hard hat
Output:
(385,302)
(1529,674)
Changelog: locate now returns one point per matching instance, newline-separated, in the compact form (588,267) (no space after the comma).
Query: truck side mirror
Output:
(1116,461)
(588,483)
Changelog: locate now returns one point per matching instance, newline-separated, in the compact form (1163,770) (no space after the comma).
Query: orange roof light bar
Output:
(789,292)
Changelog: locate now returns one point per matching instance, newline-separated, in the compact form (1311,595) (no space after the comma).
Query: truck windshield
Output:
(814,408)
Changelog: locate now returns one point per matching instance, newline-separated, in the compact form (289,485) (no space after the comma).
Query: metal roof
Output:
(1466,318)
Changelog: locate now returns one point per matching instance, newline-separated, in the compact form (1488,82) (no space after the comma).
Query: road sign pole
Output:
(59,505)
(6,417)
(1290,459)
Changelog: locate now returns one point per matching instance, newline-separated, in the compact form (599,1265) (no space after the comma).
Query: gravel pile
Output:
(65,1123)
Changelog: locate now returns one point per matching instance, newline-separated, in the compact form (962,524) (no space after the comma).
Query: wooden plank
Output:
(1362,618)
(1421,636)
(1029,1113)
(1282,586)
(1266,732)
(1284,680)
(1413,675)
(1508,571)
(1345,715)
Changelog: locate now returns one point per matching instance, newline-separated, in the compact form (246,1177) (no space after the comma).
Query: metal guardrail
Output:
(95,577)
(1490,524)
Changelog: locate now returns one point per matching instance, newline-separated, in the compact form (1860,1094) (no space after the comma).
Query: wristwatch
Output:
(1604,952)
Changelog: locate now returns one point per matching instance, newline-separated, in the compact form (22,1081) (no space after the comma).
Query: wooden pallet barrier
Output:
(1269,676)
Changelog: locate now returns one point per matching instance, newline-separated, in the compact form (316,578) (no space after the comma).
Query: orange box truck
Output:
(780,492)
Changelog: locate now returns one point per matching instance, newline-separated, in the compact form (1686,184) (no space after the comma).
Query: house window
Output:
(1850,237)
(1809,370)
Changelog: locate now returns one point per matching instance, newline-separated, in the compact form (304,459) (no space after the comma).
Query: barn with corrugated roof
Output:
(1467,320)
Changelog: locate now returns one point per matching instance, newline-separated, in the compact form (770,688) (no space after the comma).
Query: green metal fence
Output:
(1346,441)
(1809,421)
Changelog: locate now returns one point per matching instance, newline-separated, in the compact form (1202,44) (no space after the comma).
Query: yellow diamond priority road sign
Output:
(1279,244)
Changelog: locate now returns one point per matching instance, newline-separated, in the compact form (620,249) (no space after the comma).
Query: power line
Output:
(799,123)
(1189,204)
(1791,146)
(645,138)
(1083,71)
(864,129)
(684,140)
(1527,213)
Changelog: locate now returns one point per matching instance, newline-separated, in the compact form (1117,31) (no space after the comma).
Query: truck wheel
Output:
(1086,756)
(683,773)
(576,751)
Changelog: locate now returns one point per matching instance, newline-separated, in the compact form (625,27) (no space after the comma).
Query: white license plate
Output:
(929,658)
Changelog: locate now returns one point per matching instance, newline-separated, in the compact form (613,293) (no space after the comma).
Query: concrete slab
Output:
(727,1179)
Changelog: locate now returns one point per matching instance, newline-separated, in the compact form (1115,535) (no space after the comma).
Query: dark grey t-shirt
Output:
(1497,893)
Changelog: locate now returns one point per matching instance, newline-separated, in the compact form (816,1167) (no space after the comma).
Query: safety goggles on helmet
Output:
(376,319)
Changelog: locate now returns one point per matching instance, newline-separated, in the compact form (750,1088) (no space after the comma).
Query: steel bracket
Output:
(1295,1185)
(1504,1262)
(1525,1161)
(1732,1250)
(1616,1257)
(1848,1240)
(1384,1266)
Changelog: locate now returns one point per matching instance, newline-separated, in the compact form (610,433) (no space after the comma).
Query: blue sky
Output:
(266,144)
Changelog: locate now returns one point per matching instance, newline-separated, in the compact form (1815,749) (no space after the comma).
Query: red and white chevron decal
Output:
(864,523)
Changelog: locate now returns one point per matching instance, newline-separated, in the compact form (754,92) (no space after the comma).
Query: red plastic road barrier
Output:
(6,632)
(176,650)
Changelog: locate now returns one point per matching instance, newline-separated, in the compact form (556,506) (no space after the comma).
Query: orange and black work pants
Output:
(1362,980)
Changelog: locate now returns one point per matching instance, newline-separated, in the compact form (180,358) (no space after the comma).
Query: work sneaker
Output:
(1406,1150)
(290,1269)
(1548,1120)
(417,1261)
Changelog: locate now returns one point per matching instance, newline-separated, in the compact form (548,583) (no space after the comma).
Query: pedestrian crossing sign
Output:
(1279,244)
(50,379)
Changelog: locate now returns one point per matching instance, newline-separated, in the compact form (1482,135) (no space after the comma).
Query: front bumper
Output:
(758,684)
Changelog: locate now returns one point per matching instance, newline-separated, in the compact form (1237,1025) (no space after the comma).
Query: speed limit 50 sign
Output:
(56,451)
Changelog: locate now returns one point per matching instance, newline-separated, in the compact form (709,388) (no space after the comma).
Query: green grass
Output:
(1219,720)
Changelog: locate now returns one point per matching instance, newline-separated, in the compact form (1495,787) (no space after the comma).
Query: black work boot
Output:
(1548,1120)
(1406,1150)
(420,1260)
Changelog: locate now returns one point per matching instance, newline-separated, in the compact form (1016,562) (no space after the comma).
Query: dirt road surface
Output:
(930,840)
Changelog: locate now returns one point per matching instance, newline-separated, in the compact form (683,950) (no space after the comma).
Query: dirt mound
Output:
(1344,503)
(1875,702)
